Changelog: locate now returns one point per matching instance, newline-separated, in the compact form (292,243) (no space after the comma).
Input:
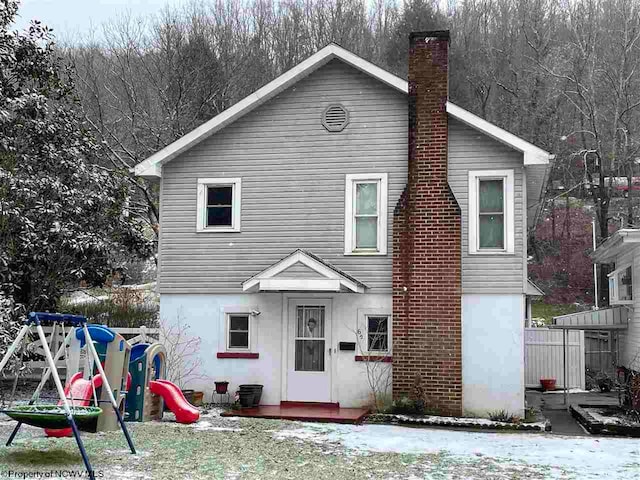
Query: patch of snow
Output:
(209,427)
(142,286)
(607,419)
(481,422)
(585,457)
(79,298)
(118,471)
(570,390)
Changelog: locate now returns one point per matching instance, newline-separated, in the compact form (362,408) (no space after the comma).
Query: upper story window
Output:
(219,205)
(366,214)
(621,285)
(491,212)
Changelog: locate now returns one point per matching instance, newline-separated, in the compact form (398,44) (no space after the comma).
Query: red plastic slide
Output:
(81,393)
(173,397)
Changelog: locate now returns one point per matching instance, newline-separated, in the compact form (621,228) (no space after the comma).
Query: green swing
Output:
(53,416)
(47,415)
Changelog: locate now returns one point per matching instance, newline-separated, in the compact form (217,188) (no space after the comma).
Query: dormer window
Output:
(621,286)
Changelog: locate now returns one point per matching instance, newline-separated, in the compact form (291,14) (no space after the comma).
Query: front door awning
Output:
(302,271)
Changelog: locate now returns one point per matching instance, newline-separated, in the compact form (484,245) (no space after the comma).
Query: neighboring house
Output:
(622,249)
(340,204)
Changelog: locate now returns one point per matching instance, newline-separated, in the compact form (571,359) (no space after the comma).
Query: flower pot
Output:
(197,398)
(188,395)
(246,398)
(548,384)
(221,387)
(257,392)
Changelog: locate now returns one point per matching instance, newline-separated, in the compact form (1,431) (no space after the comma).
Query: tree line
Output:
(559,73)
(562,74)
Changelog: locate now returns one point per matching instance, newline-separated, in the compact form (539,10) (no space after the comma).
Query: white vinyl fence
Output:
(543,357)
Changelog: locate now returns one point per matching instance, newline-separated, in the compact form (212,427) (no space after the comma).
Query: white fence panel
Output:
(543,357)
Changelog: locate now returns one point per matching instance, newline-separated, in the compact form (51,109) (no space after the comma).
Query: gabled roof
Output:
(152,166)
(618,243)
(327,278)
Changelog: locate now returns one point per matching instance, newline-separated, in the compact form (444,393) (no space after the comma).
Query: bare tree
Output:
(184,363)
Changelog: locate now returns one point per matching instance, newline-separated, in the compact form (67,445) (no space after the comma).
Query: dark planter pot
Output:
(255,389)
(221,387)
(548,384)
(246,398)
(188,395)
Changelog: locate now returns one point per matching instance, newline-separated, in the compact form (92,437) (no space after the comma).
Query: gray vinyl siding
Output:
(471,150)
(629,339)
(299,271)
(293,179)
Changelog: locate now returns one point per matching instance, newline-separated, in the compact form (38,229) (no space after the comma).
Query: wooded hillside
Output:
(561,74)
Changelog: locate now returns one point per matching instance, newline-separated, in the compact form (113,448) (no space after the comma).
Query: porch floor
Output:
(305,413)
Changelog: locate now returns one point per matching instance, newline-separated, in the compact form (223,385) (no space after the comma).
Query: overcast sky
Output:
(70,18)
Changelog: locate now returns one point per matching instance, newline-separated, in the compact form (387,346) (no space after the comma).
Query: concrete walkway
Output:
(553,407)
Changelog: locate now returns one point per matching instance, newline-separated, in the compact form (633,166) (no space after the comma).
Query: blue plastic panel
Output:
(137,351)
(45,317)
(99,333)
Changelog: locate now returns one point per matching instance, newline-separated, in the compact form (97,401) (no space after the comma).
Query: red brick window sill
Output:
(237,355)
(374,358)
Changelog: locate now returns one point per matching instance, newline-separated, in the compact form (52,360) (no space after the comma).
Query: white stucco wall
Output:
(493,353)
(493,348)
(205,315)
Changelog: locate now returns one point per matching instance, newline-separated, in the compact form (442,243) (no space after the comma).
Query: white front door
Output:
(309,355)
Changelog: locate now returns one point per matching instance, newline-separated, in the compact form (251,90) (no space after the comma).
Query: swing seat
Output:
(53,416)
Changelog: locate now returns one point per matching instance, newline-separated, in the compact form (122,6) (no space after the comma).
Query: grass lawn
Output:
(245,448)
(547,311)
(232,448)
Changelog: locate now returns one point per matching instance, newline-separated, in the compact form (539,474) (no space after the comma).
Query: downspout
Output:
(595,265)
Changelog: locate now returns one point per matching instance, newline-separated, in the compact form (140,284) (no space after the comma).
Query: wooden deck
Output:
(302,412)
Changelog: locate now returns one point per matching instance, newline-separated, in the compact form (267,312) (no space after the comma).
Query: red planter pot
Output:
(221,387)
(548,384)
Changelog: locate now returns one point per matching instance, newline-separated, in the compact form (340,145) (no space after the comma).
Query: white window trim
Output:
(227,331)
(509,205)
(613,285)
(201,221)
(363,332)
(349,224)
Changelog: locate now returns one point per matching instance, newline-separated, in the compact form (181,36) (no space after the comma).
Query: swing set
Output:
(63,415)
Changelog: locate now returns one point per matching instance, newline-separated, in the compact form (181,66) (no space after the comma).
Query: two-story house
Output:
(340,205)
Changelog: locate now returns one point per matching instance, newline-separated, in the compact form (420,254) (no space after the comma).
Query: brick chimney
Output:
(427,250)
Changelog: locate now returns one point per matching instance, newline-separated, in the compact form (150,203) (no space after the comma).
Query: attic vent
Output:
(335,118)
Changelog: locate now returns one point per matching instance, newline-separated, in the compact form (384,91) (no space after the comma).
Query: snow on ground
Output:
(463,421)
(570,390)
(581,457)
(81,297)
(610,419)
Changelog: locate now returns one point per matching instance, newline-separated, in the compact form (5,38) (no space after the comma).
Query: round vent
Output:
(335,118)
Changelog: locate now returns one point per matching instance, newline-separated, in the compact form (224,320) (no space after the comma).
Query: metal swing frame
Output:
(37,318)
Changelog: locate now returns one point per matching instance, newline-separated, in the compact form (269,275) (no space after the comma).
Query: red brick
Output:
(427,249)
